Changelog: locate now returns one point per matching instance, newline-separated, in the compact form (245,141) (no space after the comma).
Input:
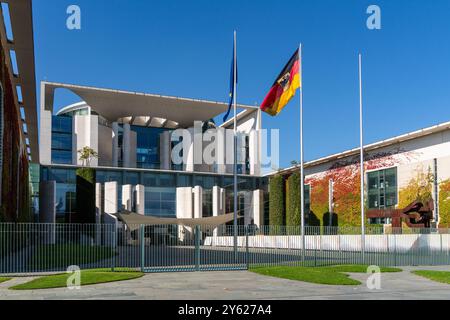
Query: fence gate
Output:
(166,248)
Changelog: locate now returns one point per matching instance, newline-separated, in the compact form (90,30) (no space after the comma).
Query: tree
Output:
(86,155)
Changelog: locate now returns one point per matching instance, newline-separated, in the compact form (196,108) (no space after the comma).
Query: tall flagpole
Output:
(235,149)
(302,178)
(361,159)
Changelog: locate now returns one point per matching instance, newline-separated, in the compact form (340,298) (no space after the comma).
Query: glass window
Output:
(184,180)
(62,124)
(382,188)
(62,175)
(131,178)
(61,147)
(147,148)
(307,203)
(160,202)
(61,157)
(62,141)
(109,176)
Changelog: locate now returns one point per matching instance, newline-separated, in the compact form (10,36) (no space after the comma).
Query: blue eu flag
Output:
(232,84)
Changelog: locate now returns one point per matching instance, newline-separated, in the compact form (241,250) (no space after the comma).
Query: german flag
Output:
(283,89)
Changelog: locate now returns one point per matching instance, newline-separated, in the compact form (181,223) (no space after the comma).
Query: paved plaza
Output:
(240,285)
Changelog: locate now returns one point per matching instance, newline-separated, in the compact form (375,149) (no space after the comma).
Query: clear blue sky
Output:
(183,48)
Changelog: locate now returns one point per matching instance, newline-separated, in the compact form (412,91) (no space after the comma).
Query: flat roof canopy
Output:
(115,104)
(133,220)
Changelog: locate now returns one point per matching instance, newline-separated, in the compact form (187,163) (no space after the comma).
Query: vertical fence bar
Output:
(142,245)
(197,247)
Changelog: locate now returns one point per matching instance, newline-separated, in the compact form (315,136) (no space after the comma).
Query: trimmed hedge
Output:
(293,215)
(276,201)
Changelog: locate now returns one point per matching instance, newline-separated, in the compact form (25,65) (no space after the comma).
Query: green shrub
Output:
(293,215)
(276,201)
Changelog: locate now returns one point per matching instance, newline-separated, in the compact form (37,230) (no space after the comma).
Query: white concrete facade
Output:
(414,156)
(111,197)
(140,199)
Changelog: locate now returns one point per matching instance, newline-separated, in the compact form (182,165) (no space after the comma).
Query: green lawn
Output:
(4,279)
(438,276)
(61,256)
(332,275)
(88,277)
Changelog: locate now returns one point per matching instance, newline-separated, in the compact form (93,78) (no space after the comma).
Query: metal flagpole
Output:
(302,178)
(235,150)
(361,159)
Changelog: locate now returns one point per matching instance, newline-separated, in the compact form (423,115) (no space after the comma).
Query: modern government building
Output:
(132,134)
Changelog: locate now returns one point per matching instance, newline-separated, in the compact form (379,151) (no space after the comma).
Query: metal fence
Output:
(48,248)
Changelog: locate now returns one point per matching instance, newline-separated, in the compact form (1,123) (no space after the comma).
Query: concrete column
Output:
(248,207)
(198,146)
(45,136)
(140,199)
(105,147)
(47,201)
(85,134)
(220,151)
(229,150)
(198,201)
(218,206)
(254,146)
(258,207)
(111,198)
(133,147)
(189,149)
(115,144)
(126,145)
(47,209)
(127,197)
(184,210)
(165,150)
(98,202)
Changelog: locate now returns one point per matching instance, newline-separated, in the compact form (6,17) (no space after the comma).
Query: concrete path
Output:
(241,285)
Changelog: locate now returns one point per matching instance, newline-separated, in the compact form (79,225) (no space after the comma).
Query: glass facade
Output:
(34,171)
(382,190)
(65,191)
(147,146)
(61,140)
(160,189)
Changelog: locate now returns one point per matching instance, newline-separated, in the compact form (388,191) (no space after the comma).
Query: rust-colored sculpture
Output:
(415,215)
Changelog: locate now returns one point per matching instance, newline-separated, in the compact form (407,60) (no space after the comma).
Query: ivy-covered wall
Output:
(345,175)
(15,201)
(444,204)
(419,187)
